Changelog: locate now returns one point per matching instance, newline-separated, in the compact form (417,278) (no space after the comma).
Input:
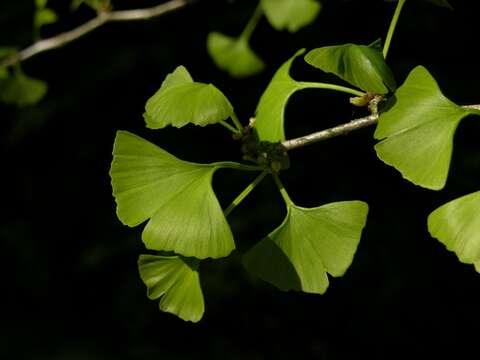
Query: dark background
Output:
(70,286)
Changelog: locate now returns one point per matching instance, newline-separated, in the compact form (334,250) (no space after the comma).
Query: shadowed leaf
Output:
(309,244)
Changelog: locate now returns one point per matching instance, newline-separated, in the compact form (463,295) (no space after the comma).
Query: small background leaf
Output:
(180,101)
(21,90)
(176,280)
(290,14)
(360,65)
(234,55)
(418,131)
(457,226)
(308,244)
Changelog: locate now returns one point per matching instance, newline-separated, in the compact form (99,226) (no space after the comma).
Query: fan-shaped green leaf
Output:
(418,130)
(457,226)
(180,101)
(309,244)
(290,14)
(21,90)
(177,197)
(175,279)
(233,55)
(360,65)
(271,108)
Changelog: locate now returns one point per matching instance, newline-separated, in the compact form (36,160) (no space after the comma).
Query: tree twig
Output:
(342,129)
(101,19)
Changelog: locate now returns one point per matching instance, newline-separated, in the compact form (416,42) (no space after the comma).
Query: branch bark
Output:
(101,19)
(343,129)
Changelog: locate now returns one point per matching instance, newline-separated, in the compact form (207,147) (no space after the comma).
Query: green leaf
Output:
(290,14)
(21,90)
(180,101)
(176,280)
(418,130)
(40,4)
(233,55)
(309,244)
(457,226)
(44,17)
(177,197)
(271,108)
(360,65)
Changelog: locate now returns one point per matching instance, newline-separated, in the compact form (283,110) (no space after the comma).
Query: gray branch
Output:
(102,18)
(343,129)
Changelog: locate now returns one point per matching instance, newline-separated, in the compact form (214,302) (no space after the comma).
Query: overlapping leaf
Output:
(234,55)
(290,14)
(176,280)
(180,101)
(360,65)
(271,107)
(20,90)
(309,244)
(418,130)
(177,197)
(457,226)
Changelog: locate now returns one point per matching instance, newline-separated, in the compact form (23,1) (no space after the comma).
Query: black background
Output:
(70,286)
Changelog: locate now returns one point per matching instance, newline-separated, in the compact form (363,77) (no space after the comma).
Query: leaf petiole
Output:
(237,122)
(252,23)
(393,25)
(283,191)
(339,88)
(245,193)
(229,127)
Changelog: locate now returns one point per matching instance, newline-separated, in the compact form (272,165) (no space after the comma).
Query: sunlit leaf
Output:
(234,55)
(21,90)
(180,101)
(175,279)
(290,14)
(177,197)
(271,108)
(418,130)
(309,244)
(457,226)
(360,65)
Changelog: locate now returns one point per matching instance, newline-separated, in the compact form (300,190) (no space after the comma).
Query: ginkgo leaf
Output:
(21,90)
(418,130)
(177,197)
(290,14)
(457,226)
(176,280)
(234,55)
(180,101)
(360,65)
(309,244)
(271,107)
